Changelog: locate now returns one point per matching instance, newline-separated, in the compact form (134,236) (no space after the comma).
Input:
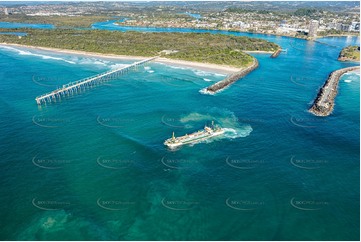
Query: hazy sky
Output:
(166,0)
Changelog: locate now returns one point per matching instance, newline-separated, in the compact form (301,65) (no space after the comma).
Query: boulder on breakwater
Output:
(276,53)
(324,103)
(231,78)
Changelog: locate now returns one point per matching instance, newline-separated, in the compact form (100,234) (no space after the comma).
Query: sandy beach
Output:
(221,69)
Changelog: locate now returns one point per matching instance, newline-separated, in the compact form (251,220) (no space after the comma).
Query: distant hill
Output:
(284,6)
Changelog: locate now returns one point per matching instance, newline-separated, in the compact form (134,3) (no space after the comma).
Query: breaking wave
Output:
(117,66)
(351,76)
(28,53)
(79,60)
(207,74)
(90,61)
(204,91)
(175,67)
(202,73)
(148,69)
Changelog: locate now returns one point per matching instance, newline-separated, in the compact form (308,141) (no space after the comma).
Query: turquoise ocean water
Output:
(94,166)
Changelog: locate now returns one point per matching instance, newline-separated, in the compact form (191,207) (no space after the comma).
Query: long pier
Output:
(74,87)
(325,101)
(230,79)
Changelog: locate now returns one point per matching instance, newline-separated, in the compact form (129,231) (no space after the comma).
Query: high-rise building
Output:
(313,28)
(6,11)
(355,26)
(338,26)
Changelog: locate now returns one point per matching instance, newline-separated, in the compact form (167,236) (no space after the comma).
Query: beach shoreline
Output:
(258,51)
(208,67)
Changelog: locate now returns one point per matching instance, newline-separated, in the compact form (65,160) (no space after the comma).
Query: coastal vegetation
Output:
(350,53)
(334,32)
(242,10)
(198,47)
(305,12)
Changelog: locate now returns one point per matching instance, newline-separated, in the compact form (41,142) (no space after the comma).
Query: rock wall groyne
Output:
(324,103)
(276,53)
(231,79)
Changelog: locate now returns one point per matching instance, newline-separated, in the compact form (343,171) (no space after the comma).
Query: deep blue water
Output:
(93,167)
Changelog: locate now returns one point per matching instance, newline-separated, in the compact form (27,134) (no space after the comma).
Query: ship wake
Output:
(227,120)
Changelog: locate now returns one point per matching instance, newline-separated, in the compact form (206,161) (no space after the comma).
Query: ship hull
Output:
(173,145)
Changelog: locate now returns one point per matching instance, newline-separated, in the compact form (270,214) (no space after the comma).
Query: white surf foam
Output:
(28,53)
(117,66)
(348,81)
(233,128)
(205,92)
(207,80)
(177,67)
(45,57)
(71,60)
(238,133)
(91,61)
(202,73)
(194,70)
(206,73)
(352,73)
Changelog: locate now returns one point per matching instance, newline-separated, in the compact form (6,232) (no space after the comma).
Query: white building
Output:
(355,26)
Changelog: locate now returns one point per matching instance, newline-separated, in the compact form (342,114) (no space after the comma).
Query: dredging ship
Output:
(206,133)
